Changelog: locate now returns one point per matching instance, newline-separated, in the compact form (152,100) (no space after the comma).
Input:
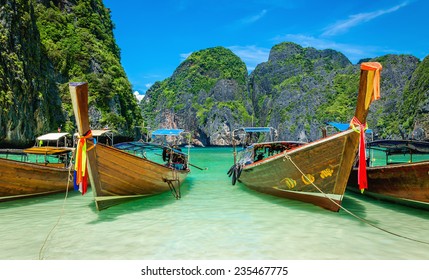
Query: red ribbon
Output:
(362,177)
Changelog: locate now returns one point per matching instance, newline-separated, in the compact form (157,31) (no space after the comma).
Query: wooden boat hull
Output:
(23,179)
(117,176)
(296,173)
(316,172)
(406,184)
(122,176)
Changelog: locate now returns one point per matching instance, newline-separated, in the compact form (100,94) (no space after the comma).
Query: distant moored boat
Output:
(403,177)
(38,170)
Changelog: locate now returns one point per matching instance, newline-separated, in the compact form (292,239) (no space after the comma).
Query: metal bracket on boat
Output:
(176,193)
(235,172)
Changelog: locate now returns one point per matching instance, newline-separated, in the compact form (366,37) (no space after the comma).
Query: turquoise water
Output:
(212,221)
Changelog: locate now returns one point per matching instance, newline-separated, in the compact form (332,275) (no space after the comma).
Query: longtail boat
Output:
(398,171)
(38,170)
(315,172)
(118,174)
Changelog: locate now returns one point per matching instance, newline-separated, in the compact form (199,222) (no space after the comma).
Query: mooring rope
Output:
(287,156)
(62,208)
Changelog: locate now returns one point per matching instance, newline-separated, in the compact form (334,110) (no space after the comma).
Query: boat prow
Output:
(116,175)
(315,172)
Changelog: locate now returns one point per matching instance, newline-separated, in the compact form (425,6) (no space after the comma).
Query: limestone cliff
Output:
(296,91)
(206,95)
(45,44)
(29,98)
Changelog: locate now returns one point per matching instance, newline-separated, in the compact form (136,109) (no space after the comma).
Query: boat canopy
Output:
(167,132)
(47,150)
(344,126)
(57,137)
(96,133)
(99,132)
(52,136)
(257,129)
(247,130)
(138,146)
(400,146)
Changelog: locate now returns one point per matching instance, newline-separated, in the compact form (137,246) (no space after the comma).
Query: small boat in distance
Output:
(118,174)
(39,170)
(315,172)
(398,171)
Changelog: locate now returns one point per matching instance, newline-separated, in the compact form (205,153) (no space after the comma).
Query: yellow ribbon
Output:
(81,152)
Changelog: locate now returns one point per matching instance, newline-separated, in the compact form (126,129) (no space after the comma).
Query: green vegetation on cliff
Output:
(28,100)
(298,89)
(45,44)
(79,41)
(415,108)
(209,86)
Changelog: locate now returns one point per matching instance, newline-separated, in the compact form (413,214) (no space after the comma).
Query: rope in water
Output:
(348,211)
(62,209)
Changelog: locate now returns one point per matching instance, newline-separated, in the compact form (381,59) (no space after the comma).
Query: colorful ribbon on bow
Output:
(362,179)
(81,170)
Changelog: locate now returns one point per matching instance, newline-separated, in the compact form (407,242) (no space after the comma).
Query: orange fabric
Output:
(374,66)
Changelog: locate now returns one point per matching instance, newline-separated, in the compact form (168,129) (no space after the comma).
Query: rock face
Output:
(385,117)
(296,91)
(206,95)
(29,98)
(44,45)
(414,112)
(289,88)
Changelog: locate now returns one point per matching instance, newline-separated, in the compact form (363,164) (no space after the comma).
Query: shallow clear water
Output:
(212,220)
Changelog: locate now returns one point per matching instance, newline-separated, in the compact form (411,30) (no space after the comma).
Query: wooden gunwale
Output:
(117,176)
(23,179)
(268,175)
(406,184)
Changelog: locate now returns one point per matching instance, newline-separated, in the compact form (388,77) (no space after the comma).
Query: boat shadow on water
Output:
(352,205)
(385,205)
(38,199)
(140,204)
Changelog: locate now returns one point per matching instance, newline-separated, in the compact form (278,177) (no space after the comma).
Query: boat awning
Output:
(52,136)
(99,132)
(137,146)
(46,150)
(257,129)
(167,132)
(344,126)
(400,146)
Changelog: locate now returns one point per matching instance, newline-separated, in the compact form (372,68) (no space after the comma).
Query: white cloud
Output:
(344,25)
(138,96)
(253,18)
(251,55)
(148,85)
(184,56)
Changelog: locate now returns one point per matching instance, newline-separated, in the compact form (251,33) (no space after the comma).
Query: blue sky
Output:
(156,36)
